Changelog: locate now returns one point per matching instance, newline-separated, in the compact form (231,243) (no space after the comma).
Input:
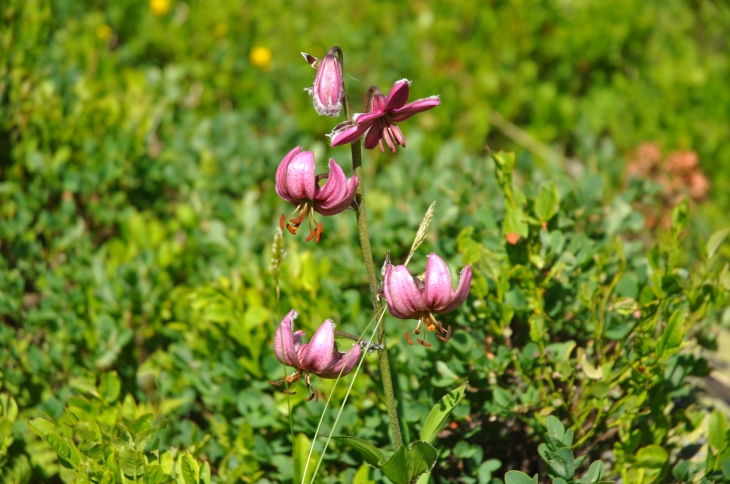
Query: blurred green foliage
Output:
(138,143)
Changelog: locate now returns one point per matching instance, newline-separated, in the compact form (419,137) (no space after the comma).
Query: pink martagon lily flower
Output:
(319,356)
(410,298)
(296,183)
(380,121)
(329,88)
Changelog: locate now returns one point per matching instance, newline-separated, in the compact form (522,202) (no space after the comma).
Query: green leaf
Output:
(486,470)
(85,385)
(109,387)
(423,456)
(555,427)
(718,430)
(537,327)
(517,477)
(302,444)
(131,462)
(559,480)
(40,426)
(652,456)
(672,336)
(596,471)
(399,468)
(189,469)
(515,222)
(368,451)
(547,202)
(153,474)
(205,473)
(726,468)
(716,240)
(436,419)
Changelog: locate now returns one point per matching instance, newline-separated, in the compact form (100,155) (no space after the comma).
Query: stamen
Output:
(292,229)
(447,336)
(289,392)
(276,383)
(423,343)
(293,378)
(282,221)
(408,338)
(398,135)
(319,232)
(388,138)
(311,235)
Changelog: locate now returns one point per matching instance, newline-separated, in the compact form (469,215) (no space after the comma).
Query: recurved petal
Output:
(347,135)
(319,353)
(398,95)
(462,291)
(300,180)
(414,108)
(375,134)
(286,342)
(404,298)
(368,118)
(344,362)
(281,171)
(335,187)
(326,208)
(438,290)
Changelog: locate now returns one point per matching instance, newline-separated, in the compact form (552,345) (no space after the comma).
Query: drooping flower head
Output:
(412,298)
(320,356)
(379,122)
(296,183)
(328,89)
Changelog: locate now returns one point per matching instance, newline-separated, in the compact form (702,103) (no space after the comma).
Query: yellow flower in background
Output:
(103,31)
(159,7)
(261,58)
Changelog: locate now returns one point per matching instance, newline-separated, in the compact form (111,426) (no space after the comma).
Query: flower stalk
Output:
(367,254)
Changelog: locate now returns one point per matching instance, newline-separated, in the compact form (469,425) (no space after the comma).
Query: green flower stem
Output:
(367,254)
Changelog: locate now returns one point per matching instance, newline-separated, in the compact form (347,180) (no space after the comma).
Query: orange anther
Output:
(408,338)
(288,392)
(311,235)
(292,230)
(319,232)
(276,383)
(282,221)
(423,343)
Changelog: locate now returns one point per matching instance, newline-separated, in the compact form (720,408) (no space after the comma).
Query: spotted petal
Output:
(462,291)
(438,291)
(318,355)
(281,175)
(404,298)
(343,362)
(286,341)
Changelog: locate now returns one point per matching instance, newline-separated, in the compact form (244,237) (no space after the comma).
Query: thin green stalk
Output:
(367,255)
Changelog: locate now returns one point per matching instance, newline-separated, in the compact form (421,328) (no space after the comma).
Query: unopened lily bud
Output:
(328,89)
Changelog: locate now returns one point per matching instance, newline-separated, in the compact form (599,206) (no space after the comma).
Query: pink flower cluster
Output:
(407,296)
